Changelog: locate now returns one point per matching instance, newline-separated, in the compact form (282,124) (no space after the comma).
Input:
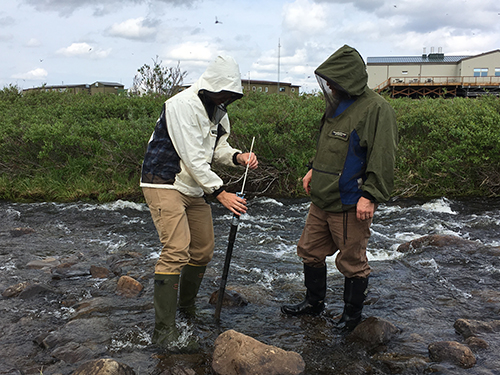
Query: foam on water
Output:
(439,205)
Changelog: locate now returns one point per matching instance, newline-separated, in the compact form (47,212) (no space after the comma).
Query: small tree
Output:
(158,80)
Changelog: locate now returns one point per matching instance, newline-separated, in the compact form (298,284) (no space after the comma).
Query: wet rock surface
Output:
(236,353)
(452,351)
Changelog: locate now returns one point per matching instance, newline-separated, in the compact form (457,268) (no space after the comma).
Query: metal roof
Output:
(429,59)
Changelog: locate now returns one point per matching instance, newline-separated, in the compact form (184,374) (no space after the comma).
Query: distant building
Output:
(267,87)
(94,88)
(435,74)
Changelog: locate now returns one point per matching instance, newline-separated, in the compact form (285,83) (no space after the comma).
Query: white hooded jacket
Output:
(185,141)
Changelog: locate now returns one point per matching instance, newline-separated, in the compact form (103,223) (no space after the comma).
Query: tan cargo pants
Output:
(185,228)
(326,232)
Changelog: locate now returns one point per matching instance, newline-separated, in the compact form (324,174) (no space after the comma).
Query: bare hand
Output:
(306,181)
(243,159)
(364,209)
(233,203)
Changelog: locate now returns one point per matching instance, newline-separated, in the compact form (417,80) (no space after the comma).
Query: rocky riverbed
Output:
(68,299)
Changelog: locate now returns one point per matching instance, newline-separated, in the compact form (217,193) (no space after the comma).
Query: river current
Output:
(422,293)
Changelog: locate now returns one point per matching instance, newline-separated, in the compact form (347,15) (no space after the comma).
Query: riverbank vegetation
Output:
(65,147)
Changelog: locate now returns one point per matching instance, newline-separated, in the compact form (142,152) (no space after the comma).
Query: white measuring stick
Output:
(246,171)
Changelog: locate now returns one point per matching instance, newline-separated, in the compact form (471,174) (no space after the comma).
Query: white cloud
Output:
(194,51)
(67,7)
(33,75)
(33,42)
(83,50)
(136,28)
(305,16)
(6,37)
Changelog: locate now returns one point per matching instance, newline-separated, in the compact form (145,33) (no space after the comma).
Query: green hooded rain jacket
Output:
(358,137)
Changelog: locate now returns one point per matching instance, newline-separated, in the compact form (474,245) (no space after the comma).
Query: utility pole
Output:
(279,46)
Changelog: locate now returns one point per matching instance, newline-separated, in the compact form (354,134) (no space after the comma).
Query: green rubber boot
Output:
(165,334)
(190,281)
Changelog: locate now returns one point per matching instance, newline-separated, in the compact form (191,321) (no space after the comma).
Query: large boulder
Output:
(236,353)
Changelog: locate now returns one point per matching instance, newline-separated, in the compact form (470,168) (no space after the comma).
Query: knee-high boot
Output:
(355,290)
(314,302)
(190,281)
(165,303)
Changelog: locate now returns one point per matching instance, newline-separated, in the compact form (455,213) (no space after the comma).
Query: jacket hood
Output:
(223,74)
(346,70)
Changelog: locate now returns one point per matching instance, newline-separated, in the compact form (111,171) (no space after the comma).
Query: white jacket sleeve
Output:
(224,152)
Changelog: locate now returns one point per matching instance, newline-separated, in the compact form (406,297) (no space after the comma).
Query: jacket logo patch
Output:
(339,134)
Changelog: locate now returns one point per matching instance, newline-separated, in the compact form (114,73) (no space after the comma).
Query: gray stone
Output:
(469,327)
(15,290)
(435,240)
(476,343)
(72,353)
(43,263)
(35,290)
(453,352)
(374,331)
(231,299)
(18,232)
(105,366)
(236,354)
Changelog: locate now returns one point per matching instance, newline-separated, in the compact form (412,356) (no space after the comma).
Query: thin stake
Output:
(232,236)
(246,171)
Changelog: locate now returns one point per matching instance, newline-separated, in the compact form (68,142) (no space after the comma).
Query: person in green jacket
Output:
(351,173)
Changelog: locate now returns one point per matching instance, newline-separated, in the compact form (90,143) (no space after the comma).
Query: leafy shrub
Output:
(62,146)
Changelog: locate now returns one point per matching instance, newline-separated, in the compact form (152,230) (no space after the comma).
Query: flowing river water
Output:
(422,293)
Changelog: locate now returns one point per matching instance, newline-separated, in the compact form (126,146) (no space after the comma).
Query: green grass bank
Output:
(65,147)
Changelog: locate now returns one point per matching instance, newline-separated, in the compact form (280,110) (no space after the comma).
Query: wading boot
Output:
(190,281)
(355,290)
(314,303)
(165,334)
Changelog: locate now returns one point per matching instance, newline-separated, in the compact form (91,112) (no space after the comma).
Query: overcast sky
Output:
(57,42)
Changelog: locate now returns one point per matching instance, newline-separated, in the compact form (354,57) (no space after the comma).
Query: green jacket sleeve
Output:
(381,137)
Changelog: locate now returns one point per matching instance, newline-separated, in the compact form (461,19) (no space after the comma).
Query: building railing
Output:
(439,81)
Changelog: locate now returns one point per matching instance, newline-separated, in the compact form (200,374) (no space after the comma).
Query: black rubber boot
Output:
(190,281)
(355,290)
(314,303)
(165,334)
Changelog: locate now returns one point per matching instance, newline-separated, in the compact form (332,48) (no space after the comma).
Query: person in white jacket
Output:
(189,136)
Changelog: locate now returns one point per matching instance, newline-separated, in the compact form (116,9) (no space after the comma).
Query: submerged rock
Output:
(469,327)
(99,272)
(105,366)
(36,290)
(476,343)
(435,240)
(452,351)
(15,290)
(231,299)
(374,331)
(18,232)
(43,263)
(236,353)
